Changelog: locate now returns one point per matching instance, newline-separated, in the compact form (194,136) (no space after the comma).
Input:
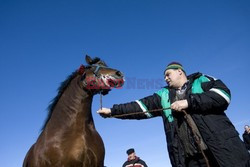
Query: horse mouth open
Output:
(109,82)
(112,82)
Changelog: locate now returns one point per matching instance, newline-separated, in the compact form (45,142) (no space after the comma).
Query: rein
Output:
(135,113)
(101,100)
(196,137)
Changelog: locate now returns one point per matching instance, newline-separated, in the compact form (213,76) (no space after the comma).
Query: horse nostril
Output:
(118,73)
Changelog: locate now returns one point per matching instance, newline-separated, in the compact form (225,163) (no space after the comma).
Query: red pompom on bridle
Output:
(81,69)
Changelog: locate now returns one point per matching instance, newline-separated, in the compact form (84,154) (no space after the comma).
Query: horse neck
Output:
(75,104)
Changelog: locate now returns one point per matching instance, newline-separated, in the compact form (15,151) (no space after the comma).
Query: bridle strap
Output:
(96,75)
(96,69)
(95,72)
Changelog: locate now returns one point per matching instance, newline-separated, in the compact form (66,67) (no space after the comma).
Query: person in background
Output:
(133,160)
(246,137)
(198,131)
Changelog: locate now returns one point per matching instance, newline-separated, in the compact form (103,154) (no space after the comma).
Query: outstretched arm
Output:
(139,109)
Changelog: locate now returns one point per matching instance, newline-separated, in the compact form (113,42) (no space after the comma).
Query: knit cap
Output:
(174,65)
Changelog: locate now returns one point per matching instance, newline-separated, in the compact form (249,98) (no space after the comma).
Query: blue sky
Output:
(42,42)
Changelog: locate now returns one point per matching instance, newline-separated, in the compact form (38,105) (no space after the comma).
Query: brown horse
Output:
(69,137)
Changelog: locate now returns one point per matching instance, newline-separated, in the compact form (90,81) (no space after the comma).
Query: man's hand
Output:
(104,112)
(179,105)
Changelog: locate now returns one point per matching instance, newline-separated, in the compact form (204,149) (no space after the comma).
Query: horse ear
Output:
(88,59)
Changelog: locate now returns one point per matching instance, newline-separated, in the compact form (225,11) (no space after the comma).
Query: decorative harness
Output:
(98,76)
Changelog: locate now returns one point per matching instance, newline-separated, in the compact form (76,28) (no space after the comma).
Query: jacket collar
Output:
(194,76)
(135,160)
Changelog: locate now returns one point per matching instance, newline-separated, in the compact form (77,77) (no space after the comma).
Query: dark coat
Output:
(207,110)
(137,162)
(246,139)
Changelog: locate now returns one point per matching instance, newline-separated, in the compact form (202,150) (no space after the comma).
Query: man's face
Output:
(131,156)
(247,129)
(172,77)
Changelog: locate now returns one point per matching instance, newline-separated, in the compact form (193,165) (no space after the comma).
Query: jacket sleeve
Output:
(140,107)
(215,98)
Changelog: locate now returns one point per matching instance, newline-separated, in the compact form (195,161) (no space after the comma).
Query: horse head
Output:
(97,77)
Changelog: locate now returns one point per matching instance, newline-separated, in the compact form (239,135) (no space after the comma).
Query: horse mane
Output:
(54,101)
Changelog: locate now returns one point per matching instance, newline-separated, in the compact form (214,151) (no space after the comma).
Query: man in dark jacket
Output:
(246,137)
(133,160)
(198,132)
